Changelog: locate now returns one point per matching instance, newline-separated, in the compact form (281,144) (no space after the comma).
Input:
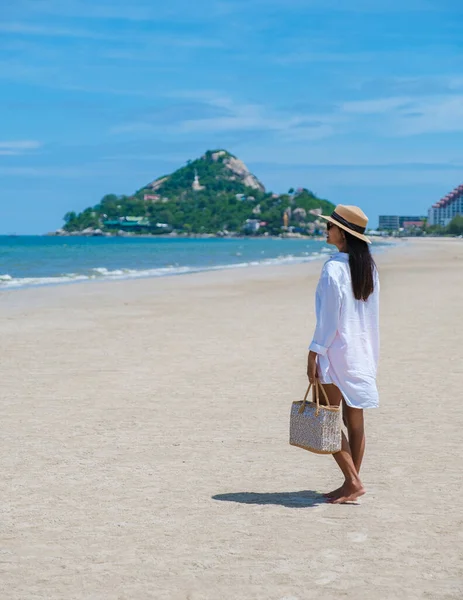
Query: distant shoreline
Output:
(204,236)
(56,262)
(193,236)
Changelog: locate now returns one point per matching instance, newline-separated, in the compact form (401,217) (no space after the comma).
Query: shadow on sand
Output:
(303,499)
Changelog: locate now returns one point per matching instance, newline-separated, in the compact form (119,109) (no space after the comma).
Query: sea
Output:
(28,261)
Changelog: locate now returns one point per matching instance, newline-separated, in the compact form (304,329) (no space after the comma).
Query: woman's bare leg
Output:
(352,487)
(356,430)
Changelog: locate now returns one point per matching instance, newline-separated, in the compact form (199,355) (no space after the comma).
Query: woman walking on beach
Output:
(344,352)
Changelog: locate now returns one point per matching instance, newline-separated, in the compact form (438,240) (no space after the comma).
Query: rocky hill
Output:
(217,171)
(215,193)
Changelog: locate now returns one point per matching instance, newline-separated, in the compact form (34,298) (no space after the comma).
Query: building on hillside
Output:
(128,223)
(252,225)
(396,222)
(413,224)
(447,208)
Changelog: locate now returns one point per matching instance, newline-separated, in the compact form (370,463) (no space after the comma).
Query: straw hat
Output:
(351,219)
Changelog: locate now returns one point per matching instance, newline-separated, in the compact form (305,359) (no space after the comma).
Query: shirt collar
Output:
(341,256)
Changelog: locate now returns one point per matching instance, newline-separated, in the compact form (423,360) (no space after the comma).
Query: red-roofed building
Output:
(447,208)
(413,224)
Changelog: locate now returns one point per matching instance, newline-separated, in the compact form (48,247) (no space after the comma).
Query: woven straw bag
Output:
(315,427)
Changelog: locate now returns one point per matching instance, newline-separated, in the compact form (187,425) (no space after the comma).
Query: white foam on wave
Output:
(20,282)
(102,273)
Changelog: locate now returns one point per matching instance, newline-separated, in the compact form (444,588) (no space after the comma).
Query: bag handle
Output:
(317,385)
(317,398)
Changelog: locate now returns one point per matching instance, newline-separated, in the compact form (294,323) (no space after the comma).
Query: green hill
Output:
(212,194)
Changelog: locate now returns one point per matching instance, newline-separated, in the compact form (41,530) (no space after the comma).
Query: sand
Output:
(144,449)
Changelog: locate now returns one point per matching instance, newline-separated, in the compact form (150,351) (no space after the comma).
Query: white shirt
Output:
(346,337)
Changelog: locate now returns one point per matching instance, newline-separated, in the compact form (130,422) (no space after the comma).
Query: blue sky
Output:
(359,100)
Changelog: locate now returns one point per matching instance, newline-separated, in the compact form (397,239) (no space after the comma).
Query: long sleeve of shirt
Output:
(328,308)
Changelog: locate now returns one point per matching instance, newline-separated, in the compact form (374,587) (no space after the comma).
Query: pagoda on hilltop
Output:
(196,185)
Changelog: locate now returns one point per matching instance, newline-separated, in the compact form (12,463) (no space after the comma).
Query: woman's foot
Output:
(334,493)
(349,492)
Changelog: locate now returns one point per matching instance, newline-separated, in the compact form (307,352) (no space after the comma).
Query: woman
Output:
(344,351)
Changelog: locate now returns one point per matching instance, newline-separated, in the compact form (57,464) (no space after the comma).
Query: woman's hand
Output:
(312,367)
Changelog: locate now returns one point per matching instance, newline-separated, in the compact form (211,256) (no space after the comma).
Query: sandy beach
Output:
(144,440)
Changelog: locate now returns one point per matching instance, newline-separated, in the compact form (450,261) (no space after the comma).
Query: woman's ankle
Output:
(353,481)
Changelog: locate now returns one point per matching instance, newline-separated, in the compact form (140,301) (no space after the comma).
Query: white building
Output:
(446,209)
(252,225)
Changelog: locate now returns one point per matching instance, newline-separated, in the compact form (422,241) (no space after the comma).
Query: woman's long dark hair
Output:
(362,267)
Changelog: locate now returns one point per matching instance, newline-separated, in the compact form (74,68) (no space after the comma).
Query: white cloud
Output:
(153,49)
(135,127)
(390,116)
(47,31)
(349,6)
(405,116)
(237,117)
(20,145)
(372,107)
(120,10)
(15,148)
(399,87)
(385,177)
(71,172)
(295,58)
(439,114)
(396,116)
(39,172)
(60,79)
(102,9)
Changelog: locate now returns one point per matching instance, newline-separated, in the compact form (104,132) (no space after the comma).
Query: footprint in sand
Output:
(357,538)
(326,578)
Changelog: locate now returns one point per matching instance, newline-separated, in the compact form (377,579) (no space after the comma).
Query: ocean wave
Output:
(19,282)
(102,273)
